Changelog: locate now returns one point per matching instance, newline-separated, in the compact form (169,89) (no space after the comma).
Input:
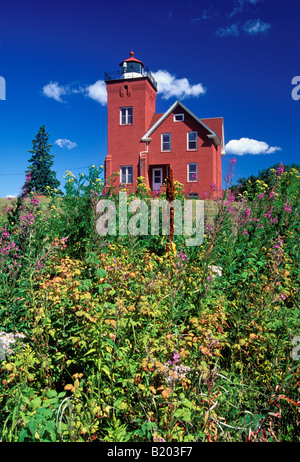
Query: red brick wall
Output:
(124,141)
(207,155)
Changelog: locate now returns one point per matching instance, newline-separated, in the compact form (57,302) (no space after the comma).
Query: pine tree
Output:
(41,162)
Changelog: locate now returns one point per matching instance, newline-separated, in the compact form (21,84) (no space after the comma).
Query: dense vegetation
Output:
(114,339)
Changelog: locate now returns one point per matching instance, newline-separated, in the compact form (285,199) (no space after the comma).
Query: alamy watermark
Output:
(188,218)
(296,89)
(2,88)
(296,350)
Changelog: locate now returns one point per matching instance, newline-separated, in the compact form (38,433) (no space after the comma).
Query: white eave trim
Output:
(211,135)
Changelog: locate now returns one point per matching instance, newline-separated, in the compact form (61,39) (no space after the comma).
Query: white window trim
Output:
(126,115)
(188,141)
(166,150)
(126,166)
(188,172)
(180,120)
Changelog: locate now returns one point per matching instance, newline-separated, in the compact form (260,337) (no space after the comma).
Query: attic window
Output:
(178,117)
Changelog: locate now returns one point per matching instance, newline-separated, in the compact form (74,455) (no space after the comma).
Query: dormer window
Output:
(126,116)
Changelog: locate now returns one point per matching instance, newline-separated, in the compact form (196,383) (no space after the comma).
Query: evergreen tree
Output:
(41,162)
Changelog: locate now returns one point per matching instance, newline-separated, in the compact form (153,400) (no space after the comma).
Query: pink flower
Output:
(246,213)
(287,208)
(283,297)
(34,201)
(280,170)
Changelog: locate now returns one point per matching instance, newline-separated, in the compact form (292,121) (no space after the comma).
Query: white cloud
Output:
(64,143)
(249,146)
(169,86)
(241,5)
(11,196)
(229,30)
(55,91)
(255,27)
(97,92)
(251,27)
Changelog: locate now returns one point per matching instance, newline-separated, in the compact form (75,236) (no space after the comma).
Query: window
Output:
(126,116)
(166,142)
(126,175)
(193,172)
(192,140)
(178,117)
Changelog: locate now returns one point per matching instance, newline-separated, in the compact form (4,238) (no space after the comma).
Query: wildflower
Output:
(260,196)
(34,201)
(246,213)
(176,358)
(216,269)
(283,297)
(280,170)
(6,340)
(5,233)
(268,215)
(287,208)
(245,232)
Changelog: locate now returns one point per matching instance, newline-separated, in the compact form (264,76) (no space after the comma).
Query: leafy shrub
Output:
(127,342)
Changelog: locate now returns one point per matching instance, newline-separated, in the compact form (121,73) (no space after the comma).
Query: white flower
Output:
(216,269)
(6,340)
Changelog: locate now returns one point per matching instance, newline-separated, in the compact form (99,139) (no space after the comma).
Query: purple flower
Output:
(245,232)
(260,196)
(287,208)
(176,358)
(283,297)
(34,201)
(246,213)
(280,170)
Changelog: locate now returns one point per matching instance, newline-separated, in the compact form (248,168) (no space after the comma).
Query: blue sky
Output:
(234,59)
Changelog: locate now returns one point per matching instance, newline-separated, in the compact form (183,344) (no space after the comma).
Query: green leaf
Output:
(101,273)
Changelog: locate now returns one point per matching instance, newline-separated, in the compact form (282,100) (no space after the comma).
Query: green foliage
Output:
(265,176)
(39,173)
(125,342)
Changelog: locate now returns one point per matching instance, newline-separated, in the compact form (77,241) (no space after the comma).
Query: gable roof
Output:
(211,133)
(217,125)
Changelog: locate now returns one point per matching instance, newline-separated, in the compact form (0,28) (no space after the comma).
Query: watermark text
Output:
(141,218)
(2,88)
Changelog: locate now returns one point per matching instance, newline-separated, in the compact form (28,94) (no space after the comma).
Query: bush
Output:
(124,341)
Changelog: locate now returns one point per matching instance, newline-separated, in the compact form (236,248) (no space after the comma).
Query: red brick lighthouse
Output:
(141,142)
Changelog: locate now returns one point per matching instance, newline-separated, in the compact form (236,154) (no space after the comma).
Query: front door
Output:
(157,179)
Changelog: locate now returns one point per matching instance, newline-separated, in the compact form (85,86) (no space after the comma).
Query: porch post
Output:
(144,167)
